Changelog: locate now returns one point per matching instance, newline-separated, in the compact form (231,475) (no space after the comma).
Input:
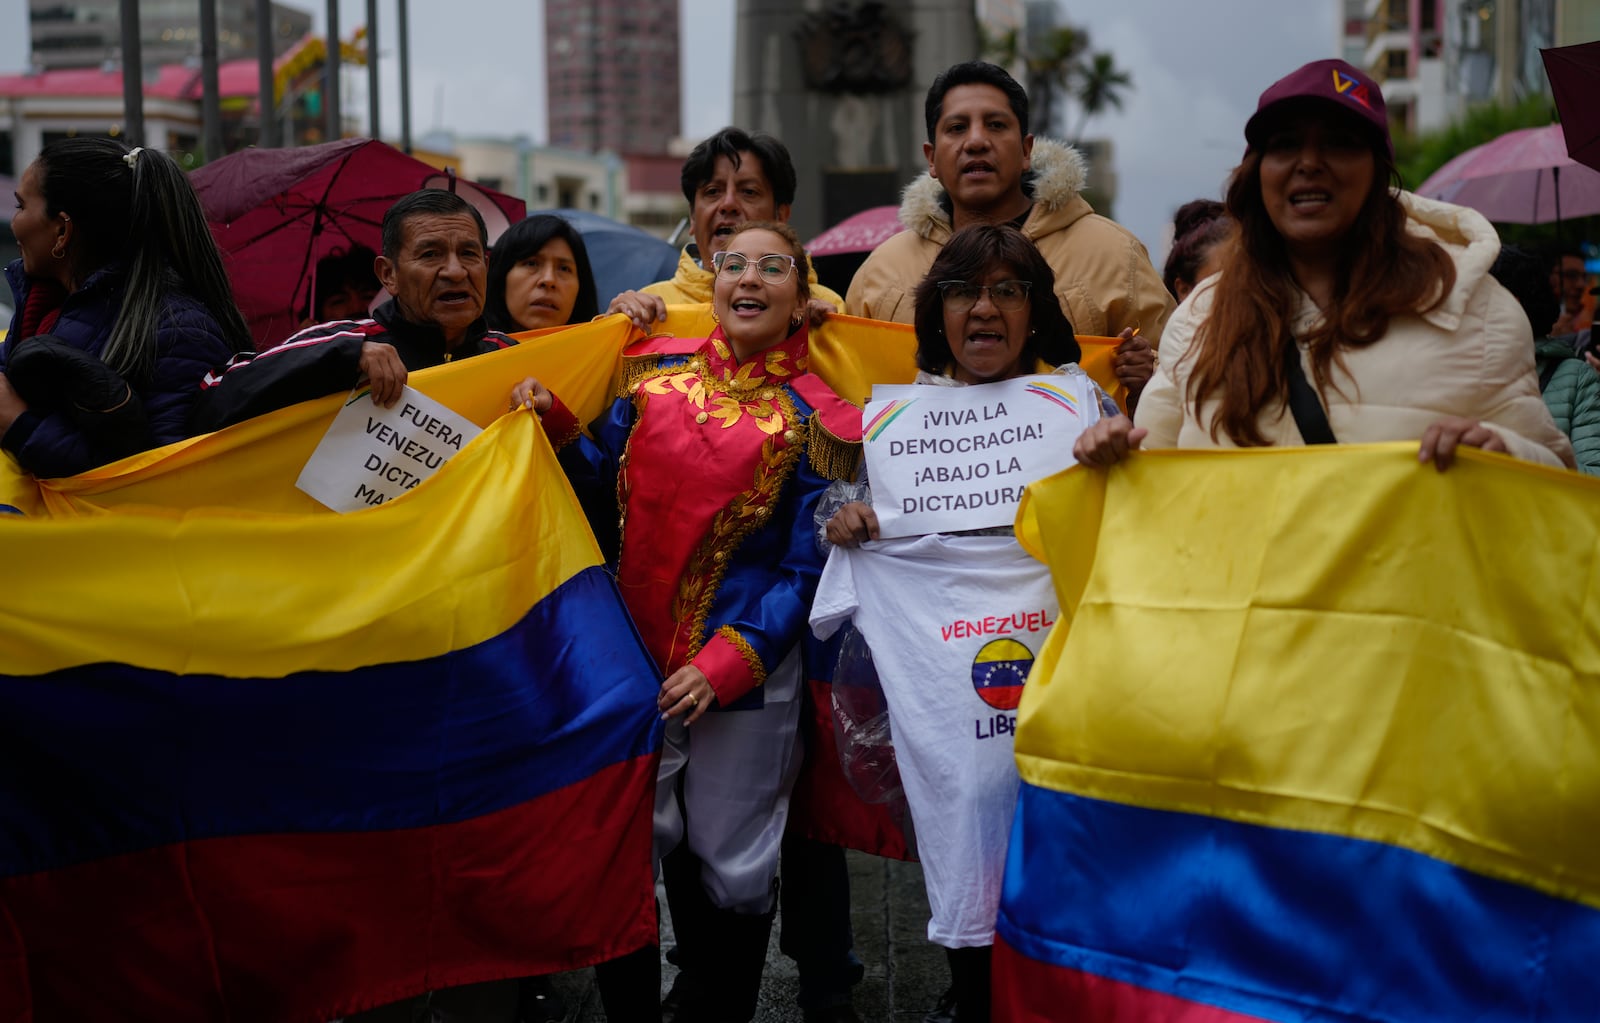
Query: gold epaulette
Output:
(834,444)
(635,368)
(643,359)
(832,456)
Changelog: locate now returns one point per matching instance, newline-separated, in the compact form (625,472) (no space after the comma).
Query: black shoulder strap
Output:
(1548,373)
(1304,404)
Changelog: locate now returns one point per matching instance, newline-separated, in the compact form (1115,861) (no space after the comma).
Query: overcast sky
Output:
(478,68)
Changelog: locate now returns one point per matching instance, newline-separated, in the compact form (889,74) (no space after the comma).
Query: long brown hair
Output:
(1238,351)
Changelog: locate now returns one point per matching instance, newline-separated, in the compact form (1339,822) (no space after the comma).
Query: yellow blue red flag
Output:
(1317,737)
(263,761)
(852,353)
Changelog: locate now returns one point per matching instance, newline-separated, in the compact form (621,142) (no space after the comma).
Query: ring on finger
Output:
(692,701)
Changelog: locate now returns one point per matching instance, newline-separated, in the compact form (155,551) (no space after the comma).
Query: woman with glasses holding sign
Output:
(720,449)
(953,620)
(977,322)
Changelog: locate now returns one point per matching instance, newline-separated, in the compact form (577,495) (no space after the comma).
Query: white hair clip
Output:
(133,157)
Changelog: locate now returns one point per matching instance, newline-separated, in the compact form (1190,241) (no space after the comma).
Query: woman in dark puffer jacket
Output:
(122,308)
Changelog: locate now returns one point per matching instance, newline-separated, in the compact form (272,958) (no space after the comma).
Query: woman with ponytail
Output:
(122,307)
(1344,309)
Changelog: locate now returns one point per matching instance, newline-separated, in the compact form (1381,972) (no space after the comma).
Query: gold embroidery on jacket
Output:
(572,433)
(746,513)
(752,659)
(754,389)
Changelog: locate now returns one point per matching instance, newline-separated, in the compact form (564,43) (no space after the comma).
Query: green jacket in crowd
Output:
(1573,397)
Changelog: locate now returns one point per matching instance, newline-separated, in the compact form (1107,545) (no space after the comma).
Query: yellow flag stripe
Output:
(454,562)
(1332,640)
(852,353)
(253,466)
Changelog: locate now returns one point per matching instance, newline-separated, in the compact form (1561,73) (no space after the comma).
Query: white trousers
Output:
(736,788)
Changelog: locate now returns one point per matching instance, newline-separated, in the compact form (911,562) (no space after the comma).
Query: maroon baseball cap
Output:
(1333,82)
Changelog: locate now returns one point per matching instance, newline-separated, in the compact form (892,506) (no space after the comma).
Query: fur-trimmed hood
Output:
(1057,176)
(1104,279)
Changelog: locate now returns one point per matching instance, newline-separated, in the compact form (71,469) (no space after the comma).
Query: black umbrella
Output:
(1574,73)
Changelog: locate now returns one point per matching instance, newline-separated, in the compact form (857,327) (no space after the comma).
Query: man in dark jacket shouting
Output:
(434,264)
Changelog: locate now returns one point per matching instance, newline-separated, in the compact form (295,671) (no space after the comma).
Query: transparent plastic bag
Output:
(838,494)
(861,724)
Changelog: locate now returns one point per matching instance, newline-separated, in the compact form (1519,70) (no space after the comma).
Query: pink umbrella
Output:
(1522,177)
(861,232)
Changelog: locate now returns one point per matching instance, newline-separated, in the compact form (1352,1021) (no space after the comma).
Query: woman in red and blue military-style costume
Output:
(720,449)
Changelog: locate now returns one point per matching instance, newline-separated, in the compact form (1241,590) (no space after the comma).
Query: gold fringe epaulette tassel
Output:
(831,456)
(634,369)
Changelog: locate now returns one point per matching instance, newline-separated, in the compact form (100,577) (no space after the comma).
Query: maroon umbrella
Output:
(861,232)
(275,212)
(1574,73)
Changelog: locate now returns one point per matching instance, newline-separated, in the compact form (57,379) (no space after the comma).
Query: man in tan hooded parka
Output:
(984,167)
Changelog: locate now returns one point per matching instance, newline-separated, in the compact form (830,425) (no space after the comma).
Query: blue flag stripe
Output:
(1287,925)
(109,759)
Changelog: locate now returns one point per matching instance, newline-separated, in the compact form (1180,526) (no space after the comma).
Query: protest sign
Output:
(372,454)
(944,459)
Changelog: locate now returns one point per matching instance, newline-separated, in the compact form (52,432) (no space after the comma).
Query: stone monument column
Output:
(842,82)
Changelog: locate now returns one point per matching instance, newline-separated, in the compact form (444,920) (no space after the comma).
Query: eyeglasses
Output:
(1007,296)
(773,268)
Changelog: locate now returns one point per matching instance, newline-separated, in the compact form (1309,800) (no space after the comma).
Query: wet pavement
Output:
(905,974)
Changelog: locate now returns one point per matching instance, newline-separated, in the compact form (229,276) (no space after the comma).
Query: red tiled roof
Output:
(236,78)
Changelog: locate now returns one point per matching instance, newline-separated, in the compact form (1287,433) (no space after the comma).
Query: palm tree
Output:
(1052,70)
(1001,49)
(1100,85)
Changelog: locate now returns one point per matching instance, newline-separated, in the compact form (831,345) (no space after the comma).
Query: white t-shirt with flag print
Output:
(954,623)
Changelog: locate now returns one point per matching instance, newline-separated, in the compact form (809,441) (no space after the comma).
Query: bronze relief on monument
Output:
(855,48)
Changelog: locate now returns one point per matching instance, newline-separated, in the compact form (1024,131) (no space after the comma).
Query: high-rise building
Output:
(1404,52)
(1353,31)
(1434,58)
(1493,49)
(88,33)
(611,70)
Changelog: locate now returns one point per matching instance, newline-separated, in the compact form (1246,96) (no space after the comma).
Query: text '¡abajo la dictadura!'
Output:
(949,486)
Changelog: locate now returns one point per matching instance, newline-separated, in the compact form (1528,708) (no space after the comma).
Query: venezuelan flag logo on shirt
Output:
(267,762)
(1329,750)
(999,670)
